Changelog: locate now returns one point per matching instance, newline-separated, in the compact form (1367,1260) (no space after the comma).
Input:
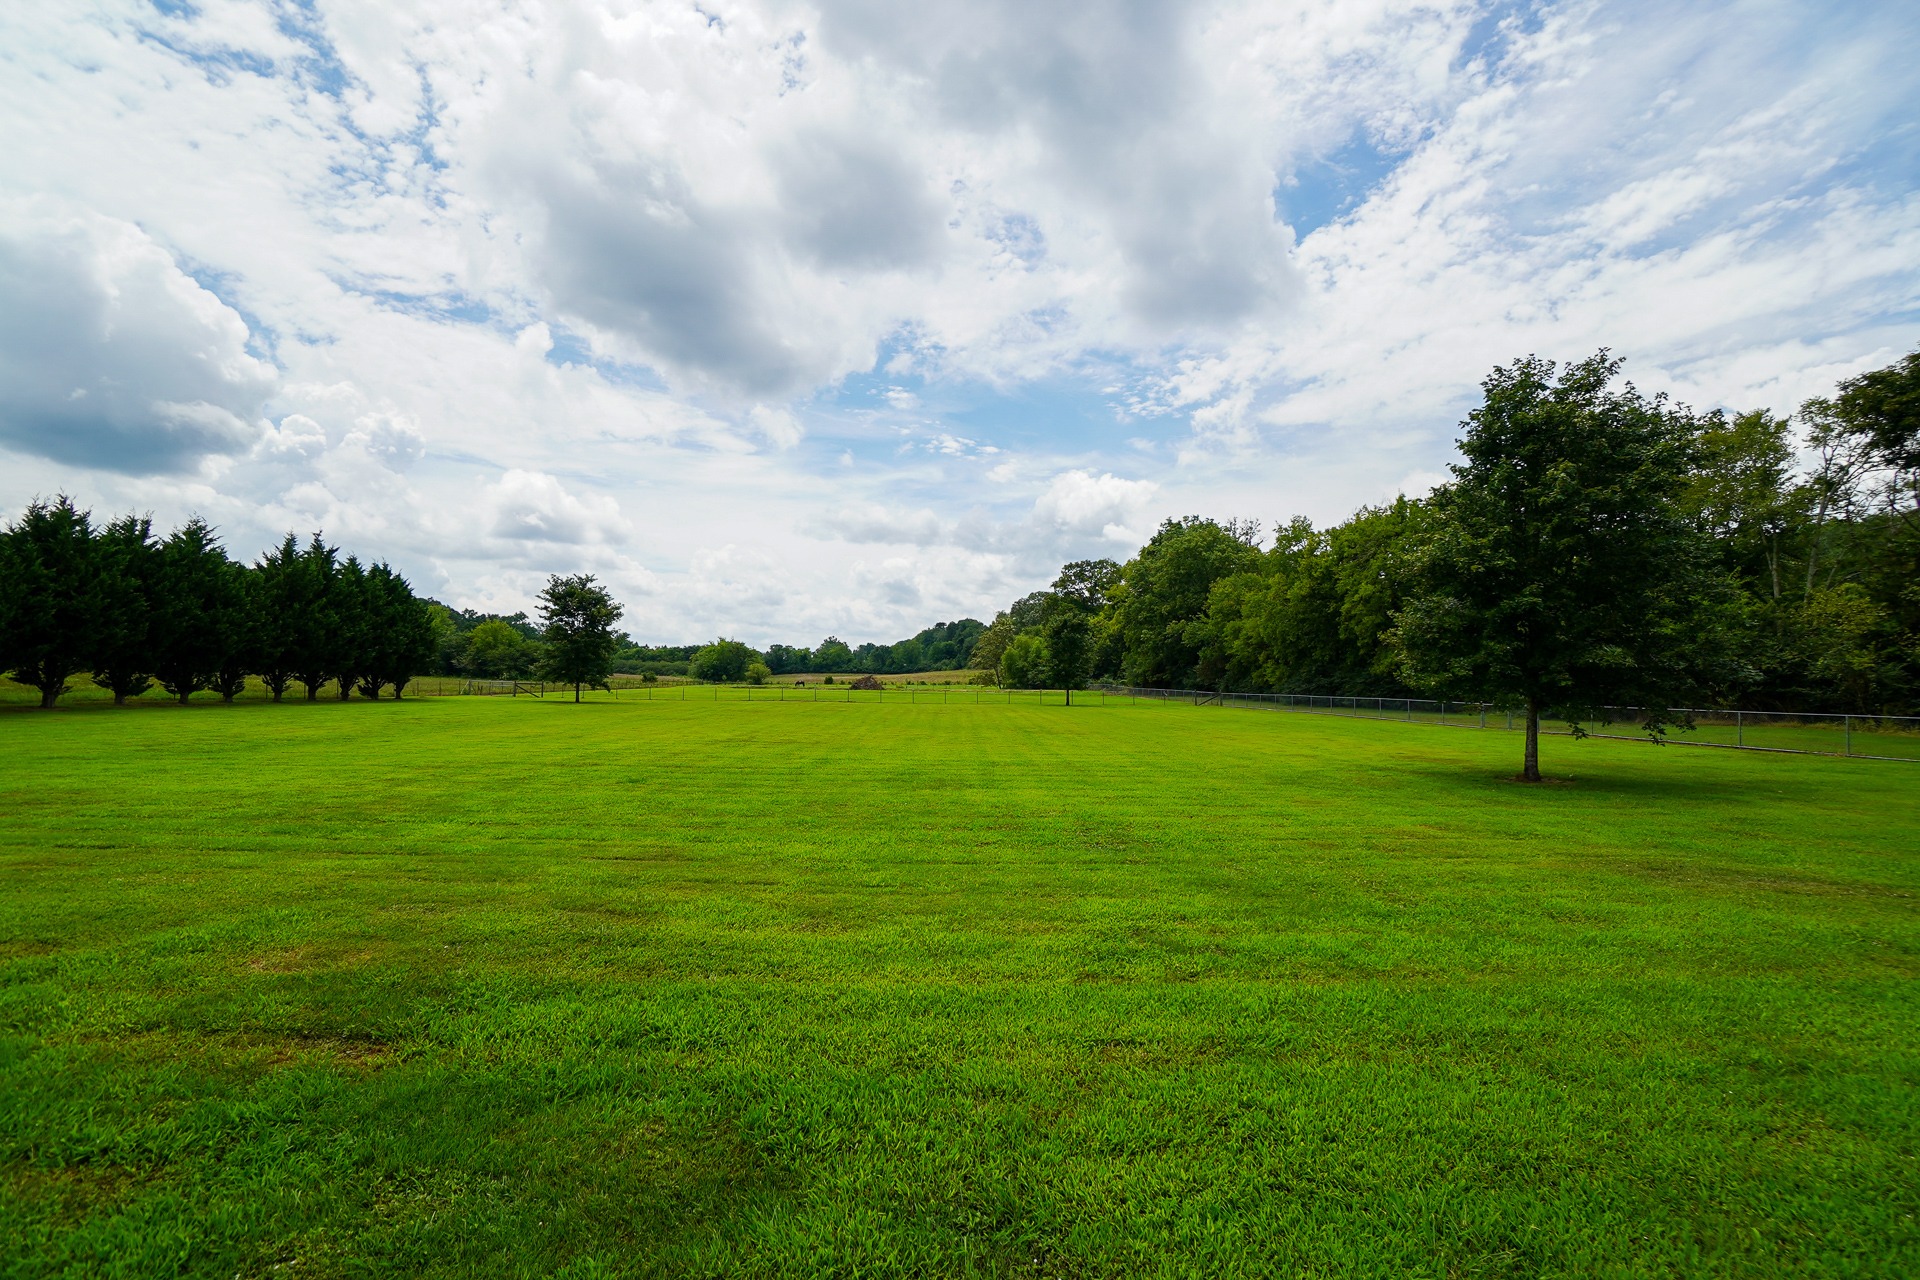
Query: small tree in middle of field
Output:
(1563,571)
(577,617)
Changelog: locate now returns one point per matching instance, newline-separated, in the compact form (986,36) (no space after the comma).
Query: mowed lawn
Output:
(501,987)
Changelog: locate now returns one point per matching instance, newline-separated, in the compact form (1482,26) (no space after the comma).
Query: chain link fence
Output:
(1804,733)
(1800,732)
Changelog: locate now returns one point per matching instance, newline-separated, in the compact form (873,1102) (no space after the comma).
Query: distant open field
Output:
(492,986)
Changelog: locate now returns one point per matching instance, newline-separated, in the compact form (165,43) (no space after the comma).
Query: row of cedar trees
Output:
(1596,548)
(130,610)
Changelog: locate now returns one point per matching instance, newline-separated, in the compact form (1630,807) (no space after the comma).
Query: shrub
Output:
(1024,664)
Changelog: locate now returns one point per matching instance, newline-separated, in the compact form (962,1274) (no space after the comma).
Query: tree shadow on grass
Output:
(1595,780)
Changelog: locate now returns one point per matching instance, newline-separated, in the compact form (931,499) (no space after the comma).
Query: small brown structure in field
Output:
(868,682)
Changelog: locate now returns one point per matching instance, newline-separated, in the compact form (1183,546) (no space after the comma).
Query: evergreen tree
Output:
(123,654)
(312,637)
(198,604)
(346,635)
(53,593)
(283,614)
(239,626)
(401,639)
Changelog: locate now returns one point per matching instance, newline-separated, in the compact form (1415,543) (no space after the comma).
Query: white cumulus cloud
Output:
(111,355)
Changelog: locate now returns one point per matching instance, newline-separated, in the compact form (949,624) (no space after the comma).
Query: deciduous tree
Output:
(1563,570)
(724,662)
(577,617)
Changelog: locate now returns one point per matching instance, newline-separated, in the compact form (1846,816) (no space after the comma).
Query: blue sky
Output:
(798,318)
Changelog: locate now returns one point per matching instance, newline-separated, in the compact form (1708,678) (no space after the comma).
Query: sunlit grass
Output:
(504,986)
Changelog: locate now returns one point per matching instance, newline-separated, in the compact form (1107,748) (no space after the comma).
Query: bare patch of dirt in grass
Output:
(290,960)
(74,1191)
(1731,879)
(364,1055)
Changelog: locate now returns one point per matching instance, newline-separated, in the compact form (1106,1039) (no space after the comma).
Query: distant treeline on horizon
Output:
(1758,582)
(508,648)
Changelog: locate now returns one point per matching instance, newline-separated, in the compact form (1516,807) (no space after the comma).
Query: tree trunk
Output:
(277,690)
(576,693)
(226,695)
(1819,536)
(47,695)
(1530,772)
(184,695)
(119,698)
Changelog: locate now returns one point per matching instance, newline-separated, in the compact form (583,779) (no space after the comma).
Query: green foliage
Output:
(1164,590)
(311,655)
(1026,664)
(347,640)
(286,604)
(758,673)
(1742,494)
(1562,570)
(1018,995)
(785,659)
(1066,625)
(496,650)
(123,632)
(403,641)
(1311,617)
(576,622)
(128,609)
(832,654)
(724,661)
(1882,408)
(993,643)
(53,612)
(201,621)
(1746,613)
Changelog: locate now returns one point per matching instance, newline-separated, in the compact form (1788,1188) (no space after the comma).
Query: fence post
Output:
(1739,728)
(1849,735)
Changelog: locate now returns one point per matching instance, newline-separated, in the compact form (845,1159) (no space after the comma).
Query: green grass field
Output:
(489,986)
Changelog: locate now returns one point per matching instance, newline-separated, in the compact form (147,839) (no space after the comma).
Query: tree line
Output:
(510,646)
(1595,547)
(944,646)
(129,609)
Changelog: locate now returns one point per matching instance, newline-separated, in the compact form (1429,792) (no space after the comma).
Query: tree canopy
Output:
(577,617)
(1562,570)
